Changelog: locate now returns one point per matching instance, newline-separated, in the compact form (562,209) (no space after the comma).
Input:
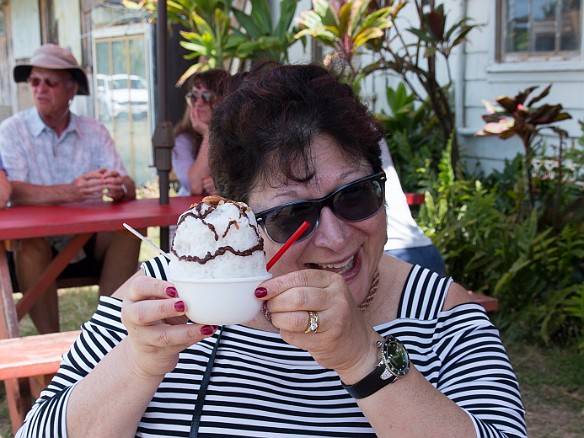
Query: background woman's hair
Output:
(265,126)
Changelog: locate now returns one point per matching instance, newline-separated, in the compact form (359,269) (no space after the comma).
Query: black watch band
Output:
(394,363)
(369,384)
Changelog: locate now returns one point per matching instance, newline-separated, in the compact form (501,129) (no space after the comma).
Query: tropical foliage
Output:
(516,236)
(413,53)
(518,116)
(347,28)
(217,33)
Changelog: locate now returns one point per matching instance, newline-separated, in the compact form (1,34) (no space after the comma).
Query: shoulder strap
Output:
(198,411)
(423,295)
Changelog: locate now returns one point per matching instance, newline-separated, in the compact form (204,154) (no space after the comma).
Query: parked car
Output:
(121,94)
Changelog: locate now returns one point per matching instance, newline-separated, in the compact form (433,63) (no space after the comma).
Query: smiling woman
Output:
(345,330)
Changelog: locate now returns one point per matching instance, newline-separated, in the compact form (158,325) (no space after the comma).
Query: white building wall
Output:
(485,78)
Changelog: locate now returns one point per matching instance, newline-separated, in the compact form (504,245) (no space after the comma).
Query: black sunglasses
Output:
(355,201)
(192,96)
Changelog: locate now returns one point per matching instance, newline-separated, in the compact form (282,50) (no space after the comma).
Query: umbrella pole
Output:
(163,139)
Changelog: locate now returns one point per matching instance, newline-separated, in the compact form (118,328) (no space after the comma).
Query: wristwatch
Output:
(394,363)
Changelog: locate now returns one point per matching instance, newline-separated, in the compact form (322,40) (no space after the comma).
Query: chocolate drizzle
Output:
(203,209)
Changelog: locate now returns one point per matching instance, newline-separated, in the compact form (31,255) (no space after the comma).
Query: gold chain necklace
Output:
(372,292)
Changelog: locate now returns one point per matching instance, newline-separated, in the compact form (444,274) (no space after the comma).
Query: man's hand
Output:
(114,185)
(90,185)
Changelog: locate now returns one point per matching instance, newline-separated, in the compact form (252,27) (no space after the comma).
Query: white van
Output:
(121,94)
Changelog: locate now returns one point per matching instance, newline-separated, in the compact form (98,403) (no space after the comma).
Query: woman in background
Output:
(189,156)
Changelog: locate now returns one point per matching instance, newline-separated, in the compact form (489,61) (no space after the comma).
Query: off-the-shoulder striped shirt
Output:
(260,386)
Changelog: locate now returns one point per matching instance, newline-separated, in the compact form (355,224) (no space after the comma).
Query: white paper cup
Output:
(220,301)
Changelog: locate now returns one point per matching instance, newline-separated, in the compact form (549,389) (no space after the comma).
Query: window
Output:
(122,98)
(540,28)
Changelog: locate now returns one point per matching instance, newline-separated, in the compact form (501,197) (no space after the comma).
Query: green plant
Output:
(217,33)
(518,116)
(260,38)
(211,43)
(346,27)
(413,54)
(180,11)
(410,133)
(494,245)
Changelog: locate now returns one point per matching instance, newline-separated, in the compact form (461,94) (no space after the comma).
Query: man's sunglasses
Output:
(353,202)
(192,96)
(49,82)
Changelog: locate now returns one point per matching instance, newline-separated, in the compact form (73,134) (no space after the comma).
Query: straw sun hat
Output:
(54,57)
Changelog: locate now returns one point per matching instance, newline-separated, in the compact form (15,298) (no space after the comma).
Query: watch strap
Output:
(371,383)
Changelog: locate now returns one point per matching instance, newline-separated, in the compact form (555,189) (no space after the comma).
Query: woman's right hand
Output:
(157,331)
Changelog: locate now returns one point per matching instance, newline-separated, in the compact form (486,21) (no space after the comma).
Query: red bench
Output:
(27,364)
(415,198)
(491,304)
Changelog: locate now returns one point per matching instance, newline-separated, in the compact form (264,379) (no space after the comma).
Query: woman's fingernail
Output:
(171,291)
(208,329)
(179,306)
(261,292)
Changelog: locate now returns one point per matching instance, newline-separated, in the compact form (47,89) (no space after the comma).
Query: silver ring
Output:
(312,326)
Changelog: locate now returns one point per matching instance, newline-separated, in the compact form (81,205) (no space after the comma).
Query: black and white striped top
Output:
(263,387)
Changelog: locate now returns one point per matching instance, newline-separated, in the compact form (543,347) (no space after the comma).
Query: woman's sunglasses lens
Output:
(192,96)
(282,224)
(359,201)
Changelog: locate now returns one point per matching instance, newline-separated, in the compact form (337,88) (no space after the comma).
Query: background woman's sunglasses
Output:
(356,201)
(192,96)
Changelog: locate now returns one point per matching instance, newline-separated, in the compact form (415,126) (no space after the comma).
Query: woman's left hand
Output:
(343,339)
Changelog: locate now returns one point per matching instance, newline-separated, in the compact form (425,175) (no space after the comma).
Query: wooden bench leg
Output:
(19,400)
(38,384)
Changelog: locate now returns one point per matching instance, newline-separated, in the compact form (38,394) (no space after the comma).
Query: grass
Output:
(552,386)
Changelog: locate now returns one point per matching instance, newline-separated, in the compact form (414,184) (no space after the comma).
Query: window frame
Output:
(504,57)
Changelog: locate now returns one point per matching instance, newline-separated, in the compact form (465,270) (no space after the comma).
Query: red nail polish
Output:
(261,292)
(208,330)
(179,306)
(171,291)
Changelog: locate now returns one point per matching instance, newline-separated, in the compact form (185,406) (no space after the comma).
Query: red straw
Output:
(288,244)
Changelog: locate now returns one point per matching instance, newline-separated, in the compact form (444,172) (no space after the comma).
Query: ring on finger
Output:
(312,326)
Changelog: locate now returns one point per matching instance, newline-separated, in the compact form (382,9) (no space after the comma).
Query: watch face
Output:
(396,357)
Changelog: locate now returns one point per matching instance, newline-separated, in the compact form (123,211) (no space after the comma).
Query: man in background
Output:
(53,156)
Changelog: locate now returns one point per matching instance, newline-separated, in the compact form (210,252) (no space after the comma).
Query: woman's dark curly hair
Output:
(263,129)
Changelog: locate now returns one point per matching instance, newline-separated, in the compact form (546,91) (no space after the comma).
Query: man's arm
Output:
(88,186)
